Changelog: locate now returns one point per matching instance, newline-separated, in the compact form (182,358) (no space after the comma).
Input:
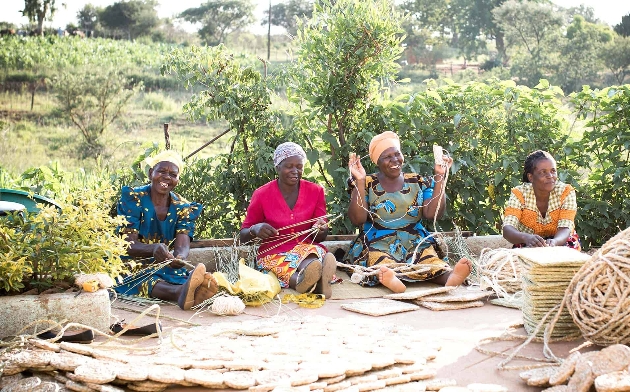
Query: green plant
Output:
(346,59)
(235,91)
(603,155)
(92,101)
(38,249)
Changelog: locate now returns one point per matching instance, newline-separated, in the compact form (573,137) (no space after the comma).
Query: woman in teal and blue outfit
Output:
(389,206)
(158,218)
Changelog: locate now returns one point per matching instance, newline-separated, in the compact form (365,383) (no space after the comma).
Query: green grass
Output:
(35,138)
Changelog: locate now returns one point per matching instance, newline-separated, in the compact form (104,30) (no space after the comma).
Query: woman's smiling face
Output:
(390,162)
(290,170)
(164,177)
(544,175)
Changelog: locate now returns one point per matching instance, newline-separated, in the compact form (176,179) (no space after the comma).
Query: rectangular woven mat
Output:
(449,305)
(379,307)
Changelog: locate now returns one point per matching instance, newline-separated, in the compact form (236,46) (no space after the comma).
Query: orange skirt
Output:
(285,264)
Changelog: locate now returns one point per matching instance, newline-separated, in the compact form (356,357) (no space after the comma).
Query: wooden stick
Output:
(207,144)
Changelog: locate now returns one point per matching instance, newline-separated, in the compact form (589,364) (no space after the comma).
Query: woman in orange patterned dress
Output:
(541,211)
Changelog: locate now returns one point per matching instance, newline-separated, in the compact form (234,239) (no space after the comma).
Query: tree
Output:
(87,17)
(616,57)
(623,28)
(535,30)
(218,18)
(473,23)
(588,13)
(286,14)
(135,17)
(39,10)
(580,61)
(427,25)
(93,101)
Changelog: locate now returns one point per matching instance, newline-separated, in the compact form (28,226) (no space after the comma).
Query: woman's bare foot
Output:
(388,278)
(459,273)
(187,294)
(328,270)
(207,289)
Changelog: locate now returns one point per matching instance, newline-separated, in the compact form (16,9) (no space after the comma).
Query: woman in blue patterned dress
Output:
(389,206)
(158,218)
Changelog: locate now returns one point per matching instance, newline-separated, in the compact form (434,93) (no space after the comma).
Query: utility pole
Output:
(269,34)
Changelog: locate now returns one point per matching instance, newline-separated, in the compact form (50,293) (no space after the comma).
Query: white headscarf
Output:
(285,150)
(166,156)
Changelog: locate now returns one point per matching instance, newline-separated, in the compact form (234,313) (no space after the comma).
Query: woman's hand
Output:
(161,253)
(551,242)
(320,224)
(443,168)
(263,230)
(534,241)
(356,168)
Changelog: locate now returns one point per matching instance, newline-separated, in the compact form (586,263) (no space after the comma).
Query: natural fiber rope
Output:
(595,298)
(227,306)
(500,271)
(20,339)
(400,269)
(598,293)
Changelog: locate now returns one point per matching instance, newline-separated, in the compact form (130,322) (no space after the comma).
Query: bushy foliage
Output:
(488,128)
(92,101)
(38,249)
(603,154)
(235,91)
(341,101)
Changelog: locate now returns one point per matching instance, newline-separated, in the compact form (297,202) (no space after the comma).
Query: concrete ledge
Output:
(18,311)
(210,255)
(477,243)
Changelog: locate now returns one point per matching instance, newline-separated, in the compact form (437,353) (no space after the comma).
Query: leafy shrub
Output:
(603,154)
(92,101)
(38,249)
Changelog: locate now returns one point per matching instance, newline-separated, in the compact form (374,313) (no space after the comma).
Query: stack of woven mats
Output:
(546,273)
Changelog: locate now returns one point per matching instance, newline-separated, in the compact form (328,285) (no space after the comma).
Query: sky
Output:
(10,11)
(608,11)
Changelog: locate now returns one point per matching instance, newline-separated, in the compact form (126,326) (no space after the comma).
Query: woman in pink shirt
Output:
(282,213)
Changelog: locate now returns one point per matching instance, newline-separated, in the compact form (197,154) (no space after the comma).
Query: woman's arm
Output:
(159,251)
(514,236)
(357,211)
(320,212)
(561,237)
(259,230)
(181,247)
(566,221)
(430,207)
(254,225)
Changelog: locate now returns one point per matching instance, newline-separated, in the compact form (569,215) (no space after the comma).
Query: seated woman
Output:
(389,206)
(158,217)
(541,211)
(280,213)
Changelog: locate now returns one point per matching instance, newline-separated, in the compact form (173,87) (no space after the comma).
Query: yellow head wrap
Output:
(381,143)
(166,156)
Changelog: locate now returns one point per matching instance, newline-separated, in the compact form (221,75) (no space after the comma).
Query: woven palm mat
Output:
(315,352)
(379,307)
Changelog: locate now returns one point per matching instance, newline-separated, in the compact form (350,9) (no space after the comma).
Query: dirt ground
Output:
(457,331)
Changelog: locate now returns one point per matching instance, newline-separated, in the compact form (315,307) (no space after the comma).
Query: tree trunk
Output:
(40,23)
(500,44)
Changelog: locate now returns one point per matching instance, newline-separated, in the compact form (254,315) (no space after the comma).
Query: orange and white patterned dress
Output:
(522,213)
